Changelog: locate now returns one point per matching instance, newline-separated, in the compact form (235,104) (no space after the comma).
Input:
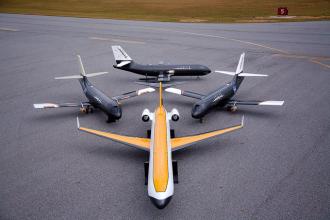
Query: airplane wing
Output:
(182,142)
(60,105)
(132,94)
(184,93)
(137,142)
(237,102)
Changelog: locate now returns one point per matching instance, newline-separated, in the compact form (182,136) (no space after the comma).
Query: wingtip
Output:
(242,122)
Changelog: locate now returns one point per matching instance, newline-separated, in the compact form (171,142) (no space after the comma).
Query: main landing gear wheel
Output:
(232,108)
(86,110)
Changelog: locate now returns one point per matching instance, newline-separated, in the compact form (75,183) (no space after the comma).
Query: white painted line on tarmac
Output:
(8,29)
(117,40)
(316,60)
(222,37)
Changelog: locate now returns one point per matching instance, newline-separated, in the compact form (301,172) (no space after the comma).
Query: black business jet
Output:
(96,98)
(222,96)
(158,72)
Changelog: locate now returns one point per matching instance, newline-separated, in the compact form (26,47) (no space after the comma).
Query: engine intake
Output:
(145,115)
(175,116)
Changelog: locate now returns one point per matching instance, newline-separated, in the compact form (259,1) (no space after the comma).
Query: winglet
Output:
(78,124)
(242,122)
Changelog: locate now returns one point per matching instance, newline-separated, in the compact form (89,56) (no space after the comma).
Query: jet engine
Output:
(175,115)
(146,115)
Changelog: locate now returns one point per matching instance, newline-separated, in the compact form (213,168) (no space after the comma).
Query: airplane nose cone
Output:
(160,203)
(195,115)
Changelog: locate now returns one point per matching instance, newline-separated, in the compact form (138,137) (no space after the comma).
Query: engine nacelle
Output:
(146,115)
(175,116)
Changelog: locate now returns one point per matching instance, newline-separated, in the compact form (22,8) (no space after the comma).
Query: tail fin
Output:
(239,69)
(160,95)
(82,69)
(121,56)
(240,64)
(82,72)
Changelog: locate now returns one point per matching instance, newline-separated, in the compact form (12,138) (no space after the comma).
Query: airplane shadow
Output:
(56,115)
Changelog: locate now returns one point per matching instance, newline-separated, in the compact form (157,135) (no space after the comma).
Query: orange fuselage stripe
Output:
(160,151)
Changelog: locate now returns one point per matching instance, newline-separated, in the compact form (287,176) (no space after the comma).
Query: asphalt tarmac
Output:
(276,167)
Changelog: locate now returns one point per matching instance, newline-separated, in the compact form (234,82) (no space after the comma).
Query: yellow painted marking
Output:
(160,151)
(318,62)
(116,40)
(143,143)
(176,143)
(8,29)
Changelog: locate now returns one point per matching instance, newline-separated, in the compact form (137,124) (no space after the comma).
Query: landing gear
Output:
(86,109)
(172,133)
(201,120)
(232,108)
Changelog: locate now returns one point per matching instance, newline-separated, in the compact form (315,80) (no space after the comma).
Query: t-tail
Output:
(82,74)
(121,57)
(239,74)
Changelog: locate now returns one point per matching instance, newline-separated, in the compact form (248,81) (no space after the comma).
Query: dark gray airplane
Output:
(96,98)
(159,72)
(222,96)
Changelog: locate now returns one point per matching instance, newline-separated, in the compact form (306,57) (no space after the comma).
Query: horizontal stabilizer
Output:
(45,105)
(80,76)
(270,103)
(70,77)
(184,93)
(132,94)
(56,105)
(120,54)
(240,74)
(96,74)
(123,63)
(251,74)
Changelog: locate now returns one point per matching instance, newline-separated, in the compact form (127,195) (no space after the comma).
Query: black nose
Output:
(160,203)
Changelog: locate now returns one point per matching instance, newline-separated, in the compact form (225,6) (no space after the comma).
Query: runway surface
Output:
(276,167)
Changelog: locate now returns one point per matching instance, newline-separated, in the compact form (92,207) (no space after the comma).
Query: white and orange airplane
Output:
(161,171)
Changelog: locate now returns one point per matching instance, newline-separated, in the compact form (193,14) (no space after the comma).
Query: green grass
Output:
(173,10)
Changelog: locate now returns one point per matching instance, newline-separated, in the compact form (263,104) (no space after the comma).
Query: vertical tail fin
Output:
(240,64)
(82,69)
(121,56)
(160,94)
